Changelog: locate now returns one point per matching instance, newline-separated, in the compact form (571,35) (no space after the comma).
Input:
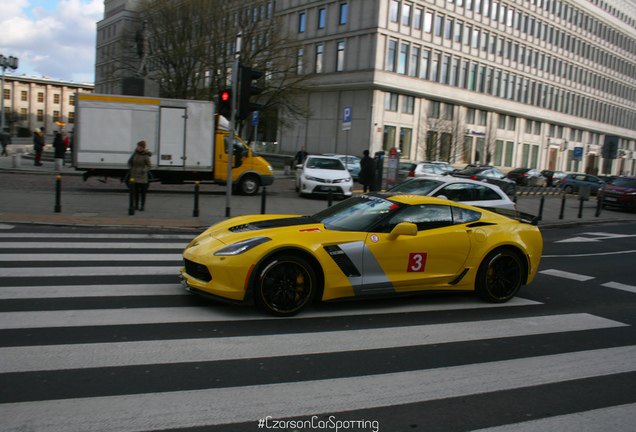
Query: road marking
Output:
(82,356)
(82,291)
(196,408)
(89,245)
(223,312)
(566,275)
(620,286)
(596,237)
(616,418)
(590,254)
(40,257)
(88,271)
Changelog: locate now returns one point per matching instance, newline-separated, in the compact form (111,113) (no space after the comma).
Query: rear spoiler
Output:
(516,215)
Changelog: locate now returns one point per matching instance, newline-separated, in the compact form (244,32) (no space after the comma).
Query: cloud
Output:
(55,39)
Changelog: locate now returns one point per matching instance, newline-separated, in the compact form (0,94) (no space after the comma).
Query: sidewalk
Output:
(173,206)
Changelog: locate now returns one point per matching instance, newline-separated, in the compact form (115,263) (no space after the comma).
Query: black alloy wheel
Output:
(500,276)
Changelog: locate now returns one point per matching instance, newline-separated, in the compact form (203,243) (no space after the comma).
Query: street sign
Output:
(255,118)
(346,118)
(578,152)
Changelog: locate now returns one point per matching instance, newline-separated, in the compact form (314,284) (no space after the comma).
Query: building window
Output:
(415,56)
(391,102)
(434,109)
(340,57)
(322,15)
(40,115)
(449,111)
(7,94)
(343,13)
(428,22)
(502,121)
(483,116)
(71,117)
(405,141)
(56,116)
(23,114)
(395,8)
(424,70)
(417,19)
(40,97)
(24,95)
(389,138)
(56,98)
(390,61)
(301,22)
(406,14)
(408,104)
(404,52)
(512,123)
(299,65)
(319,58)
(470,116)
(71,100)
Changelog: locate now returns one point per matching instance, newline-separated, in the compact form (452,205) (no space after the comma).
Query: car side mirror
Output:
(403,228)
(442,197)
(299,166)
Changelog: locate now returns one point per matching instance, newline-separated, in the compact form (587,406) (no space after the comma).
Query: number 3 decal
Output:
(417,262)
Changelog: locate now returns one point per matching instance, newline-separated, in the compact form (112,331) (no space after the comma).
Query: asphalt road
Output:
(97,334)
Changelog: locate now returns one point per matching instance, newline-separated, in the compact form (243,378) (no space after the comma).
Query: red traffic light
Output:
(225,96)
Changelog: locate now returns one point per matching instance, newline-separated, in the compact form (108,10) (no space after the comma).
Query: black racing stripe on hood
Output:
(274,223)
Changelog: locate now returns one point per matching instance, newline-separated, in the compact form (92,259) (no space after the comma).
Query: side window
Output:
(462,216)
(592,179)
(426,216)
(458,192)
(484,193)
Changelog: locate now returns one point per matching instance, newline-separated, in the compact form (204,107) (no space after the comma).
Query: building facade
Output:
(31,103)
(548,84)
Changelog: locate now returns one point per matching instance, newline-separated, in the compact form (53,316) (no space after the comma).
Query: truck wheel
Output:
(249,185)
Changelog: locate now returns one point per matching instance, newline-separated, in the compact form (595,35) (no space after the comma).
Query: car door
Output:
(593,182)
(434,255)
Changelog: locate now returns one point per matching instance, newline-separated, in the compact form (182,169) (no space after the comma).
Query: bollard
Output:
(195,212)
(131,204)
(329,199)
(562,207)
(599,205)
(263,199)
(541,207)
(581,207)
(58,194)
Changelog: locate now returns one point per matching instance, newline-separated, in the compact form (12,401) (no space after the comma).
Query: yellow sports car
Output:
(368,245)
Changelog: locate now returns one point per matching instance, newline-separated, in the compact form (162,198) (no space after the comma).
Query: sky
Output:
(51,38)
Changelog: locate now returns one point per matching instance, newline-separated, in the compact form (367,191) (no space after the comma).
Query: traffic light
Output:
(225,103)
(247,90)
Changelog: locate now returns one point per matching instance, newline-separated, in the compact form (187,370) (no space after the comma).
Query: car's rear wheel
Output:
(500,276)
(285,285)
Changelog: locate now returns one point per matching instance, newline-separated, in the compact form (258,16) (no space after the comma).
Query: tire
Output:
(568,189)
(249,185)
(500,276)
(285,285)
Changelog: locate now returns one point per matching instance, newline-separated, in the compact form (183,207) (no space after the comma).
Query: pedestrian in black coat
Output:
(367,172)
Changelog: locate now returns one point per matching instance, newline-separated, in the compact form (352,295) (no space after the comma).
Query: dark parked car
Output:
(489,174)
(554,177)
(572,183)
(527,177)
(620,193)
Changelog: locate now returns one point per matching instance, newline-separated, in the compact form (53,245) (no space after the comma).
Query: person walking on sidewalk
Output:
(60,149)
(139,164)
(367,172)
(5,140)
(38,146)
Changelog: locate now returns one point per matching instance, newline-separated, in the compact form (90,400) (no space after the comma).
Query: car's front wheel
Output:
(500,276)
(285,285)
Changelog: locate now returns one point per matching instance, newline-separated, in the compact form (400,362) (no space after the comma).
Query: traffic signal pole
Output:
(229,144)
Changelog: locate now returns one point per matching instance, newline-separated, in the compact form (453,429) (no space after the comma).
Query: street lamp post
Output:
(5,62)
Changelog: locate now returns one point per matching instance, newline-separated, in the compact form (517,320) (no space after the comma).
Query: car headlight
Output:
(311,178)
(242,246)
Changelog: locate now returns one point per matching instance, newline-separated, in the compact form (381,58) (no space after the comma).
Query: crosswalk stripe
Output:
(617,418)
(98,236)
(567,275)
(620,286)
(89,271)
(90,245)
(79,291)
(56,357)
(180,409)
(43,257)
(133,316)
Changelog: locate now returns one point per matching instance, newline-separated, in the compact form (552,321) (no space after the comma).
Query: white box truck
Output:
(180,134)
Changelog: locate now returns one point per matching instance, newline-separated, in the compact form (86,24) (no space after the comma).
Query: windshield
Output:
(625,182)
(418,187)
(356,214)
(325,163)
